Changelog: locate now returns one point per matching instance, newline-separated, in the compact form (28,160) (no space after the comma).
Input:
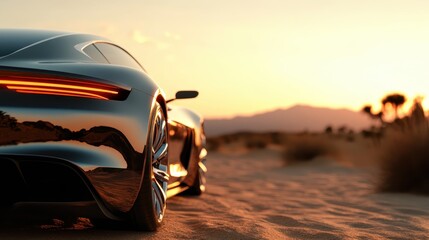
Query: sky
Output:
(249,56)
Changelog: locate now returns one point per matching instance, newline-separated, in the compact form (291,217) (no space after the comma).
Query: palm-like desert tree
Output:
(396,100)
(367,109)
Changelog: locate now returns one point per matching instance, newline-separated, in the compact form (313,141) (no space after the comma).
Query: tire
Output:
(199,186)
(149,208)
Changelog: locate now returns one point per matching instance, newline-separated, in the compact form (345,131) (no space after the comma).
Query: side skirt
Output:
(176,190)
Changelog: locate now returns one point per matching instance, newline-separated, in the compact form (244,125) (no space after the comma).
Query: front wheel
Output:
(149,209)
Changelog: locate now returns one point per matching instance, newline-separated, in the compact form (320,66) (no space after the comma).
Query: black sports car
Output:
(84,130)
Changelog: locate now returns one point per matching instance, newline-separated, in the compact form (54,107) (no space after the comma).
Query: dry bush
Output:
(306,148)
(404,157)
(256,144)
(404,162)
(213,144)
(249,140)
(277,138)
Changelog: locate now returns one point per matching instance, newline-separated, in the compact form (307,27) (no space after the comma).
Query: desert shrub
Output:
(276,137)
(329,129)
(404,162)
(256,144)
(213,144)
(350,136)
(307,148)
(227,139)
(342,130)
(6,121)
(404,159)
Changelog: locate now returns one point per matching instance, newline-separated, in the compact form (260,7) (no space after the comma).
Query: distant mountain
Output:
(295,119)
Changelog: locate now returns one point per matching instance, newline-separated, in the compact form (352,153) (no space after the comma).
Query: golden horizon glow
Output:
(246,57)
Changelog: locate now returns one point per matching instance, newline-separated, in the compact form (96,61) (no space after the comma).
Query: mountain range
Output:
(294,119)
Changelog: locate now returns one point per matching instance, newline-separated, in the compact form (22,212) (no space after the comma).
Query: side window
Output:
(116,55)
(93,53)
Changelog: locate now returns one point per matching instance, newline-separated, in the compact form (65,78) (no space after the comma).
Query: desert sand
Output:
(252,194)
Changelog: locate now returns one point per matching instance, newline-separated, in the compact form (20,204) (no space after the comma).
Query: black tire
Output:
(199,186)
(149,208)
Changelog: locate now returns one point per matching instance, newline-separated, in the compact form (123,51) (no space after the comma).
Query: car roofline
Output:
(38,42)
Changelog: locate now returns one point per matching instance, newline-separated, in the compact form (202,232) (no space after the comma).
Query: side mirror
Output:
(184,95)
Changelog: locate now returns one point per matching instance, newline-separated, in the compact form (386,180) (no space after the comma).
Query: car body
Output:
(83,127)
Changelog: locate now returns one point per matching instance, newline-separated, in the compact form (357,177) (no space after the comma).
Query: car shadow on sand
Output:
(34,227)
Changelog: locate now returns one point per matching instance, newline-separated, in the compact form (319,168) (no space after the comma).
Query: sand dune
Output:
(252,195)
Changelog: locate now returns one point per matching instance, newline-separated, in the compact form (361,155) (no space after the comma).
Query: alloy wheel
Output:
(159,165)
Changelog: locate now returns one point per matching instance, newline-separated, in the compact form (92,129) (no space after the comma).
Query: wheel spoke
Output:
(202,169)
(160,153)
(157,129)
(202,165)
(159,198)
(159,191)
(161,140)
(163,129)
(157,206)
(161,175)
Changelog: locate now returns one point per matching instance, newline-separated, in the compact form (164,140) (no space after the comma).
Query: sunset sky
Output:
(248,56)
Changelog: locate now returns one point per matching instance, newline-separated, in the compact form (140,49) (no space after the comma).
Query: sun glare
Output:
(259,56)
